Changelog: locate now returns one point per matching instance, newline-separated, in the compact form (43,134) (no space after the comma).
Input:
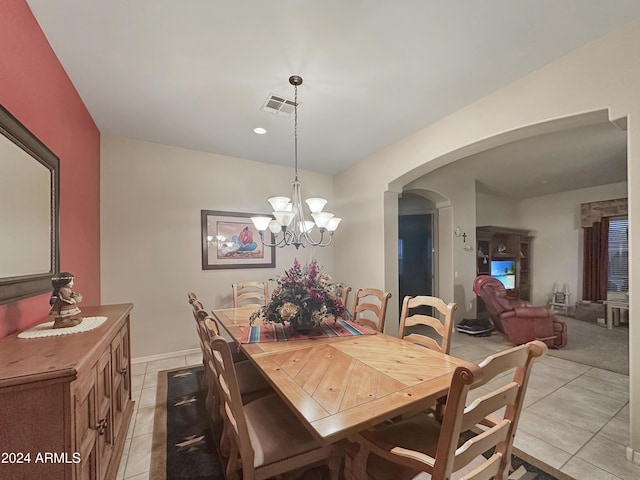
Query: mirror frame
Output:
(24,286)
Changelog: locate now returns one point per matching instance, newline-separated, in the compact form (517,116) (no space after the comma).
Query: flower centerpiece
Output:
(303,297)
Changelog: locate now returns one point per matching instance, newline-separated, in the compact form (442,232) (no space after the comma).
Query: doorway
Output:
(416,223)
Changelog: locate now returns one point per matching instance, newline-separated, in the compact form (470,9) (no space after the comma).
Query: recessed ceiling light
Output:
(544,181)
(260,130)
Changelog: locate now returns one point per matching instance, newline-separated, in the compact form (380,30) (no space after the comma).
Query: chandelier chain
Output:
(295,130)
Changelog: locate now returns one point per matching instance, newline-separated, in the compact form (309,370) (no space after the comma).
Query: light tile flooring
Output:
(576,418)
(136,457)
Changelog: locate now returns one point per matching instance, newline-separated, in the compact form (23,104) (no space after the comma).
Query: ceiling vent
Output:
(279,105)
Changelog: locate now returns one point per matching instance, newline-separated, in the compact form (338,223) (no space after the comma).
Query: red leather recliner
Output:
(519,320)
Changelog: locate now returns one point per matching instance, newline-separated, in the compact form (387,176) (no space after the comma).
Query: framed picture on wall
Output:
(230,240)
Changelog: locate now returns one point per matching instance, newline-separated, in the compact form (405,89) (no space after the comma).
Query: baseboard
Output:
(162,356)
(633,456)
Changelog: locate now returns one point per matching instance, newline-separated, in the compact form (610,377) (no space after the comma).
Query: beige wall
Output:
(605,74)
(494,210)
(152,196)
(558,244)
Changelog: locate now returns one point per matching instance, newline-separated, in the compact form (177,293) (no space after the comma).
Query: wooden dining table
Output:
(339,386)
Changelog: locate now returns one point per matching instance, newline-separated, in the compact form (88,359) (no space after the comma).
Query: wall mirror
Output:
(29,199)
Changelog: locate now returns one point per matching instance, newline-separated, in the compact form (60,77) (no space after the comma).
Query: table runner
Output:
(277,332)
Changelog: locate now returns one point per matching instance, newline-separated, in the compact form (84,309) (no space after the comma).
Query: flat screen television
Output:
(505,271)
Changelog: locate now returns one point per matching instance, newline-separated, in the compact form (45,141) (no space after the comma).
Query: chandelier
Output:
(288,224)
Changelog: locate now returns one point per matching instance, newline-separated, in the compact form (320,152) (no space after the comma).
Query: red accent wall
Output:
(35,88)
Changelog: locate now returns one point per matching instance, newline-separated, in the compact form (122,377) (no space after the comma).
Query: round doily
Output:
(46,330)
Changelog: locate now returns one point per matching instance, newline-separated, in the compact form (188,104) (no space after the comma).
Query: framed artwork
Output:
(230,240)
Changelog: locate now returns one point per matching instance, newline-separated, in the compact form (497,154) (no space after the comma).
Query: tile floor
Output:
(576,418)
(136,457)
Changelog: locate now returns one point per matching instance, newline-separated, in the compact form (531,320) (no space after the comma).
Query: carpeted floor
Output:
(590,344)
(594,345)
(184,447)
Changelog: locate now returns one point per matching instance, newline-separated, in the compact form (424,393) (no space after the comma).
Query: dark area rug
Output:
(183,443)
(184,448)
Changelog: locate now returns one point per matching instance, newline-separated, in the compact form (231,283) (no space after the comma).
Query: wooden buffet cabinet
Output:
(66,401)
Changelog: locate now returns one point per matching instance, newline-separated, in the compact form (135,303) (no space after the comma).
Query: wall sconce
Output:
(459,233)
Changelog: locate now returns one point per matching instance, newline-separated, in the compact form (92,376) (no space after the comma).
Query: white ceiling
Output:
(195,73)
(555,162)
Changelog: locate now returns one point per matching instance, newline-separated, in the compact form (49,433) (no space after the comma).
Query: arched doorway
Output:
(416,246)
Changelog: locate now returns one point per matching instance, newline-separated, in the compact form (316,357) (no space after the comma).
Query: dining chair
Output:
(250,293)
(418,322)
(251,383)
(194,302)
(197,306)
(419,325)
(191,296)
(370,308)
(422,445)
(266,438)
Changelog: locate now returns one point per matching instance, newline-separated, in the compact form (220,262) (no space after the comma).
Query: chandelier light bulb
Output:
(322,218)
(279,204)
(275,227)
(316,204)
(306,226)
(333,224)
(284,218)
(261,223)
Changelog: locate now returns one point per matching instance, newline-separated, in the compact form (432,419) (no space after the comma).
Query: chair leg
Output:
(359,464)
(232,464)
(225,441)
(439,409)
(203,378)
(334,462)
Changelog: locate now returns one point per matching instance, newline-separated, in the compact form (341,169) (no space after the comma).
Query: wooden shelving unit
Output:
(502,243)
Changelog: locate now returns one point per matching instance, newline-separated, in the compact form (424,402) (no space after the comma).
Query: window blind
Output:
(618,268)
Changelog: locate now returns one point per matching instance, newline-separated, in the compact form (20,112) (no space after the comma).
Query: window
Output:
(618,268)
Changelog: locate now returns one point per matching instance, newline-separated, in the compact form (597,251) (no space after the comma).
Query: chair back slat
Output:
(250,293)
(489,403)
(243,298)
(211,326)
(374,313)
(489,470)
(427,320)
(479,444)
(501,362)
(425,323)
(423,340)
